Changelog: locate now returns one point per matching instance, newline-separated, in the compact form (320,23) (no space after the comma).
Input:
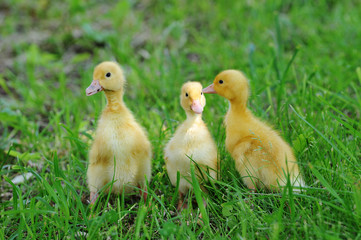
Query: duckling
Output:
(261,156)
(121,150)
(191,141)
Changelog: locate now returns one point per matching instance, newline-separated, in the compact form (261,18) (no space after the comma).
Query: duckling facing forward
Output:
(121,150)
(262,157)
(191,141)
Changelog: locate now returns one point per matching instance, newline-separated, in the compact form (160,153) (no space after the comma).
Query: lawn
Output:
(303,62)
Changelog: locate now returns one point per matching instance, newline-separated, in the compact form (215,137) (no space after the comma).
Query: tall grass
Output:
(302,58)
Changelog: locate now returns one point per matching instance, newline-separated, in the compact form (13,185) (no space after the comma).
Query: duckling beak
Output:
(209,89)
(93,88)
(197,107)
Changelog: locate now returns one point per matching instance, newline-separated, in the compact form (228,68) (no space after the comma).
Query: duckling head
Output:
(107,76)
(192,98)
(230,84)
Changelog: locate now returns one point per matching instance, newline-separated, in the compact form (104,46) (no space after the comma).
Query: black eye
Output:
(108,74)
(201,93)
(186,94)
(220,81)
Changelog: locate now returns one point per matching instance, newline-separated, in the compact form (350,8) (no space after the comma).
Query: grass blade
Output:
(199,198)
(317,131)
(326,184)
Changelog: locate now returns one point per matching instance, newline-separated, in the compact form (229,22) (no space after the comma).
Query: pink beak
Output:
(197,107)
(93,88)
(209,89)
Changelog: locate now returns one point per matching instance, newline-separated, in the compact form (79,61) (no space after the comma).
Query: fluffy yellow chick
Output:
(262,157)
(192,140)
(121,150)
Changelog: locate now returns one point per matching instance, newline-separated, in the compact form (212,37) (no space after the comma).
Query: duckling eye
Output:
(108,74)
(186,94)
(201,93)
(220,81)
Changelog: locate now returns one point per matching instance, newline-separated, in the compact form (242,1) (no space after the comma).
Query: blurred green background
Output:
(302,59)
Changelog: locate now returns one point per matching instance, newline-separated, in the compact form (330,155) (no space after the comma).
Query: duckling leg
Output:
(96,180)
(93,197)
(181,203)
(143,192)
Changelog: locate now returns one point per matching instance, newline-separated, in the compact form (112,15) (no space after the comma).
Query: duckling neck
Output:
(115,100)
(193,117)
(238,107)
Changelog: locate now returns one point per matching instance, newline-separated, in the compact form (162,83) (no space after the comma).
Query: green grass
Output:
(303,62)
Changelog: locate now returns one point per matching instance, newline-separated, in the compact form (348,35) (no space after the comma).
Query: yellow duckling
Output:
(262,157)
(192,140)
(121,150)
